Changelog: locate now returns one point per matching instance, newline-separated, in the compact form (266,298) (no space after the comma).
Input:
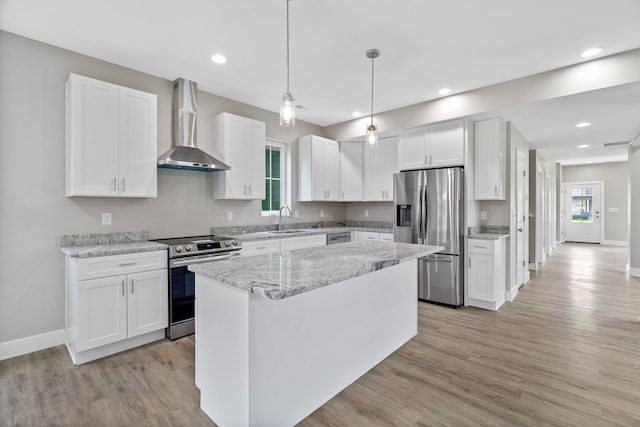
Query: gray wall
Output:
(634,208)
(34,210)
(616,179)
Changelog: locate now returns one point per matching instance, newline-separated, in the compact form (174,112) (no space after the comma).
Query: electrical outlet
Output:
(296,213)
(483,215)
(106,219)
(366,213)
(229,215)
(321,213)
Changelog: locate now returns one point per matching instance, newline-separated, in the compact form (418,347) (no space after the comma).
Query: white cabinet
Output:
(351,171)
(380,163)
(359,236)
(111,148)
(267,246)
(386,237)
(490,151)
(318,169)
(432,146)
(115,303)
(486,273)
(240,143)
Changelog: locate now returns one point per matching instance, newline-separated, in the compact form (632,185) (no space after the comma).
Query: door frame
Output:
(564,206)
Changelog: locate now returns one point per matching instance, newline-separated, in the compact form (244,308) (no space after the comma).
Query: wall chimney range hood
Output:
(185,154)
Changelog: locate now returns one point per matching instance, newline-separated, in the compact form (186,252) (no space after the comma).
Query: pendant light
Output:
(287,104)
(372,129)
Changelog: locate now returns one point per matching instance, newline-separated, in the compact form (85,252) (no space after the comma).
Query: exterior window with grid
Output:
(275,154)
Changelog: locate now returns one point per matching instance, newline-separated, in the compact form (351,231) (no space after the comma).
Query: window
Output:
(277,170)
(581,205)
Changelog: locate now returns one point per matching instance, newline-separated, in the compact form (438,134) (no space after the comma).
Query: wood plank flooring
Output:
(566,352)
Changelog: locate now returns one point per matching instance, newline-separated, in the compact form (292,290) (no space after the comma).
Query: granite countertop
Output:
(93,245)
(277,276)
(298,232)
(488,236)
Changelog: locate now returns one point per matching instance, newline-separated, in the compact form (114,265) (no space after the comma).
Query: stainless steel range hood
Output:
(185,154)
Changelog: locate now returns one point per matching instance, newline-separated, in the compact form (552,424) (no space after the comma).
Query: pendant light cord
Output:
(287,45)
(372,59)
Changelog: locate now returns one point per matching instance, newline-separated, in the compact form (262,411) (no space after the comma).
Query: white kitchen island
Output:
(278,335)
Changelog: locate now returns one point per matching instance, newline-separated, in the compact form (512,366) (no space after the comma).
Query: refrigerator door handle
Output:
(423,207)
(449,260)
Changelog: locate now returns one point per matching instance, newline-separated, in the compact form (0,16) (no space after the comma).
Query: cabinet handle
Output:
(382,194)
(114,183)
(430,158)
(132,288)
(127,264)
(123,288)
(469,262)
(261,248)
(426,159)
(123,185)
(244,189)
(343,194)
(495,190)
(249,189)
(480,247)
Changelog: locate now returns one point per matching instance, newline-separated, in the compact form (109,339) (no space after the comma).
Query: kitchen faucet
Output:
(280,220)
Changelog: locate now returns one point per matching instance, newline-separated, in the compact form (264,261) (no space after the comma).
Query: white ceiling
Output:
(425,45)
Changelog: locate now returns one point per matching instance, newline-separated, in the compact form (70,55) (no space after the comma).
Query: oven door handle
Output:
(193,260)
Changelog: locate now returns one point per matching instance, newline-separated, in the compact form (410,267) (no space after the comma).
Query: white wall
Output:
(616,180)
(34,210)
(634,208)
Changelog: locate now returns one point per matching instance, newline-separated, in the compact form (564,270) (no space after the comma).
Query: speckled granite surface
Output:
(277,276)
(489,232)
(265,232)
(92,245)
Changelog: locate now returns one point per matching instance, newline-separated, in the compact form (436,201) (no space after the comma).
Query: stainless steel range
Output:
(182,252)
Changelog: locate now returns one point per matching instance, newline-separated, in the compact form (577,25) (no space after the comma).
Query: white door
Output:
(148,305)
(102,311)
(521,176)
(582,212)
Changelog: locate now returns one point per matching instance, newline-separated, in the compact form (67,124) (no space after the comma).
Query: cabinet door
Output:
(375,177)
(331,169)
(137,143)
(412,150)
(386,237)
(92,137)
(254,147)
(319,190)
(147,305)
(481,277)
(260,247)
(102,311)
(292,243)
(489,159)
(446,144)
(235,155)
(351,171)
(391,166)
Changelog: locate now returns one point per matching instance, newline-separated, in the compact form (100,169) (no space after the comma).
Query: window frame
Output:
(285,174)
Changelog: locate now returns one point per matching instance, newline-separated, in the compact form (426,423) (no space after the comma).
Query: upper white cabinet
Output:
(351,172)
(111,148)
(490,159)
(380,163)
(240,143)
(432,146)
(318,169)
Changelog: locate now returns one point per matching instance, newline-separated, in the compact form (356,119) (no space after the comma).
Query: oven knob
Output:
(227,243)
(178,248)
(235,242)
(188,248)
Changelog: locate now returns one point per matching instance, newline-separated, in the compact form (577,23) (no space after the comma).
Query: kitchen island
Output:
(278,335)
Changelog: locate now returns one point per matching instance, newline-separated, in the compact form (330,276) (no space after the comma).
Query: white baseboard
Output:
(558,242)
(527,276)
(635,272)
(27,345)
(510,295)
(615,242)
(533,266)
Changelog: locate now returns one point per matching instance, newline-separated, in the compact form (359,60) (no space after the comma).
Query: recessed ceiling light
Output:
(356,114)
(218,59)
(583,124)
(591,52)
(583,146)
(588,161)
(444,91)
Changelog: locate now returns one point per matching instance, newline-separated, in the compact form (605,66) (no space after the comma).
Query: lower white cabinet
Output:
(372,236)
(111,309)
(281,245)
(486,277)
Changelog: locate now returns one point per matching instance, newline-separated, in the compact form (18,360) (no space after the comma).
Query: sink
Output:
(285,231)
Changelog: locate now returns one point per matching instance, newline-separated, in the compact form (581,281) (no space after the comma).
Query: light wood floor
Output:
(565,352)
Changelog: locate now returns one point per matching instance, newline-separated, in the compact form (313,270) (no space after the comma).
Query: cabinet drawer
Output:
(105,266)
(366,235)
(478,246)
(386,237)
(260,247)
(301,242)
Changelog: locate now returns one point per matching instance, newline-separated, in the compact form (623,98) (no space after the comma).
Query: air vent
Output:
(616,144)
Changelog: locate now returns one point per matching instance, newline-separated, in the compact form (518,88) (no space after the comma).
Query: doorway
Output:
(583,212)
(521,220)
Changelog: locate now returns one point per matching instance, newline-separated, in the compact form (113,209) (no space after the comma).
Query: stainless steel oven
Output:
(182,252)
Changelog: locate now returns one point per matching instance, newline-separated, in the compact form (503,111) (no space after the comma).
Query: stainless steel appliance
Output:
(182,252)
(429,210)
(338,237)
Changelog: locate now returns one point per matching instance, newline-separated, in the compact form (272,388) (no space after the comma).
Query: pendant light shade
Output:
(287,104)
(372,129)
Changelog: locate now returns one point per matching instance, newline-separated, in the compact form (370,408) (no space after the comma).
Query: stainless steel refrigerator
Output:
(429,210)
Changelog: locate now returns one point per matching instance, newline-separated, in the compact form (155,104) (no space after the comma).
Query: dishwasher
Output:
(339,237)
